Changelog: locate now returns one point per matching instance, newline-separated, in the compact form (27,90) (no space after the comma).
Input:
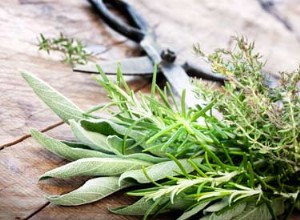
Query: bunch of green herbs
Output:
(245,166)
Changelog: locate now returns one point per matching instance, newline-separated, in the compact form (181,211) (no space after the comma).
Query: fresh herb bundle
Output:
(73,51)
(245,166)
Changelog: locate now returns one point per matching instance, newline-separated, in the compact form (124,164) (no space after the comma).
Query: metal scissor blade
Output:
(180,81)
(132,66)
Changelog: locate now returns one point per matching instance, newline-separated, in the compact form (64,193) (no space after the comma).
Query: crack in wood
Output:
(24,137)
(37,211)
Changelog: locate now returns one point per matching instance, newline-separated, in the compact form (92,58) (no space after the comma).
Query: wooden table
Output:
(178,24)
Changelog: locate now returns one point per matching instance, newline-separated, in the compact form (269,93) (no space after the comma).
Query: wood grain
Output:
(178,24)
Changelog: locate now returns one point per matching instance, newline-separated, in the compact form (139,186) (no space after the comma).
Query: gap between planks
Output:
(24,137)
(18,140)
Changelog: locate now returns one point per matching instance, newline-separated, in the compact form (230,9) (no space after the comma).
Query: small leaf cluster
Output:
(73,51)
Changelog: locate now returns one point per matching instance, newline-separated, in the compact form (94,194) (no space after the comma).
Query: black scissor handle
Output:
(139,27)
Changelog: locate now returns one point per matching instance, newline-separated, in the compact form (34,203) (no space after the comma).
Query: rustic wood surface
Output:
(178,24)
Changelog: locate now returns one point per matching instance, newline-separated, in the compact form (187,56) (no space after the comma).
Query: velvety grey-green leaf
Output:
(193,211)
(108,127)
(217,206)
(75,144)
(63,150)
(228,214)
(146,157)
(138,208)
(94,140)
(159,171)
(95,167)
(62,106)
(142,205)
(117,143)
(93,190)
(260,212)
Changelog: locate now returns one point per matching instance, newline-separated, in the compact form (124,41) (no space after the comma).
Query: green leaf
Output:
(63,150)
(62,106)
(75,144)
(146,157)
(107,127)
(117,143)
(252,211)
(144,204)
(229,214)
(93,190)
(159,171)
(193,211)
(95,167)
(138,208)
(218,206)
(94,140)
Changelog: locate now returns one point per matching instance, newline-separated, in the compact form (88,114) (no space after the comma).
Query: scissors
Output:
(140,32)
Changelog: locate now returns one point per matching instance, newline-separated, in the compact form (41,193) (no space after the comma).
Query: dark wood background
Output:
(178,24)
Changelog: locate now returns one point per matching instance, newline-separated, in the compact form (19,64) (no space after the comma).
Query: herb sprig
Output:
(245,166)
(73,51)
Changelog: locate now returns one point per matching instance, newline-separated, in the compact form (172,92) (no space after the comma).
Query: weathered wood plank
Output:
(20,27)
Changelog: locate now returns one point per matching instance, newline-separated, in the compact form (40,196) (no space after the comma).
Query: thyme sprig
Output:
(73,50)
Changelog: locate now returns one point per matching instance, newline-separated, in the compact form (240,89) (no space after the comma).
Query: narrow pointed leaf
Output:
(95,167)
(62,106)
(159,171)
(93,190)
(63,150)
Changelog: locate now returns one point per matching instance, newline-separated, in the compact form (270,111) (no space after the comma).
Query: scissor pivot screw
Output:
(168,55)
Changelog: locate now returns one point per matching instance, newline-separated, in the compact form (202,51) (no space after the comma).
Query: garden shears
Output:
(139,31)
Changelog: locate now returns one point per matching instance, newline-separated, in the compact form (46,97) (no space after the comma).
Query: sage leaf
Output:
(75,144)
(228,214)
(108,127)
(62,106)
(252,211)
(63,150)
(138,208)
(218,206)
(95,167)
(193,211)
(116,143)
(141,206)
(146,157)
(159,171)
(93,190)
(94,140)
